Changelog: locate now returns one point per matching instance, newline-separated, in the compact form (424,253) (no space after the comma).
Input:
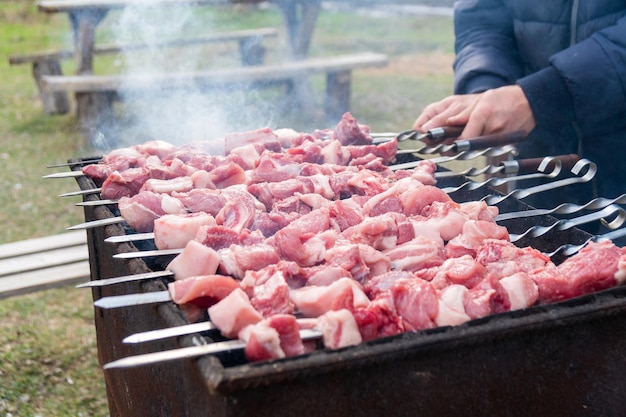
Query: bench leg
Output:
(95,115)
(337,95)
(53,103)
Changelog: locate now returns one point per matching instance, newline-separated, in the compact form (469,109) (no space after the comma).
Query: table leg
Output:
(300,19)
(84,23)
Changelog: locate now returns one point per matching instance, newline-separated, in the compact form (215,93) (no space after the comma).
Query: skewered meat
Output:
(275,337)
(195,259)
(339,329)
(202,291)
(233,313)
(175,231)
(321,228)
(597,266)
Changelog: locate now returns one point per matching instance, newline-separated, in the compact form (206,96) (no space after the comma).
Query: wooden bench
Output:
(42,263)
(95,94)
(49,62)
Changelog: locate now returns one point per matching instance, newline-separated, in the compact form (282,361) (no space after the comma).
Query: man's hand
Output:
(503,109)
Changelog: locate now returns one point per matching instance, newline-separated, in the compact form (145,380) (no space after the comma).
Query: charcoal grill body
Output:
(565,359)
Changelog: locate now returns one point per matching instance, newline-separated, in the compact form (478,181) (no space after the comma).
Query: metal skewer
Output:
(65,174)
(98,223)
(462,156)
(570,249)
(146,253)
(480,142)
(82,162)
(130,238)
(192,352)
(496,182)
(523,193)
(96,203)
(565,208)
(561,225)
(81,192)
(186,329)
(125,278)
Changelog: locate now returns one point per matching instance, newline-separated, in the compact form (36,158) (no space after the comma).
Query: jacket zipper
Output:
(574,22)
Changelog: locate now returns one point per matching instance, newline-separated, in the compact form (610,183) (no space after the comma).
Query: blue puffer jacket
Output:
(569,57)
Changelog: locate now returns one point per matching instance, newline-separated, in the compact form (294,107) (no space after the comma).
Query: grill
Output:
(561,359)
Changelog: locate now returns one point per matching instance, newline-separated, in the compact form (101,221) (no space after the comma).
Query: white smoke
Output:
(182,115)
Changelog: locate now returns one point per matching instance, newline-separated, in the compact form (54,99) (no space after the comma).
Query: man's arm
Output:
(486,53)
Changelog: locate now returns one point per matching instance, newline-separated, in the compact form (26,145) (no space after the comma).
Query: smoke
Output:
(188,114)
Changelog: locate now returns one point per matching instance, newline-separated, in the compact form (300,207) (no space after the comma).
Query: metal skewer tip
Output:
(97,223)
(81,192)
(67,174)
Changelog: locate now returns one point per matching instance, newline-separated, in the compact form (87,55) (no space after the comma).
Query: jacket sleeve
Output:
(486,53)
(585,83)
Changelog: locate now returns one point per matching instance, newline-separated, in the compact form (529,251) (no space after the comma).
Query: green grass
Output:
(48,359)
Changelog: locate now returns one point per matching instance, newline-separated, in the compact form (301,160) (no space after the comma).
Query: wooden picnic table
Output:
(85,16)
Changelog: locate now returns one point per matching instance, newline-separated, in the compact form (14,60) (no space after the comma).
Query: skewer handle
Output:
(445,132)
(530,165)
(488,141)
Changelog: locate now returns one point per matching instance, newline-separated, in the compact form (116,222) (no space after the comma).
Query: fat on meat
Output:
(490,290)
(379,318)
(452,306)
(195,259)
(238,211)
(473,234)
(159,148)
(521,289)
(308,151)
(364,182)
(263,135)
(275,167)
(175,231)
(464,270)
(440,218)
(362,261)
(502,258)
(272,296)
(124,184)
(142,209)
(273,338)
(381,283)
(416,254)
(221,237)
(418,200)
(339,329)
(202,180)
(291,241)
(289,138)
(233,313)
(335,153)
(202,199)
(226,175)
(342,215)
(238,260)
(380,232)
(202,291)
(248,154)
(313,301)
(325,274)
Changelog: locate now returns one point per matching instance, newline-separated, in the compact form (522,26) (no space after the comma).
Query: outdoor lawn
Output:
(48,358)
